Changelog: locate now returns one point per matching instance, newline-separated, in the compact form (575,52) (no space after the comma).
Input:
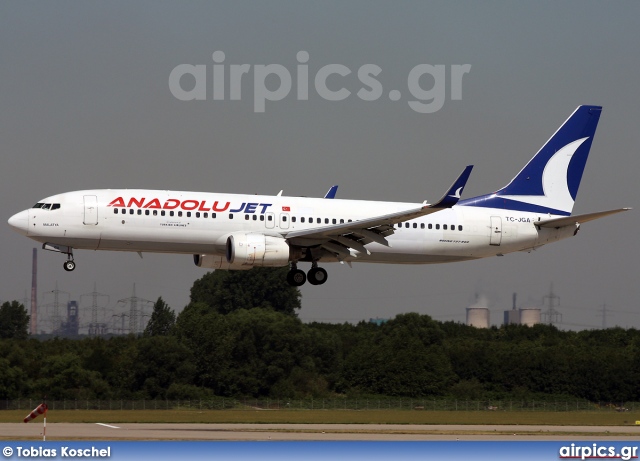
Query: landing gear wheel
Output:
(69,265)
(296,277)
(317,276)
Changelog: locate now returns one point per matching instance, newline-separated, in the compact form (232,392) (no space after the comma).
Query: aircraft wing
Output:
(339,238)
(577,219)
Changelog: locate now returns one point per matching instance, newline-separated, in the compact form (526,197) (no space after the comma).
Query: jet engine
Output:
(248,250)
(217,262)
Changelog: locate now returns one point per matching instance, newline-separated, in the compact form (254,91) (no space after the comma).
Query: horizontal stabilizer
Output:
(577,219)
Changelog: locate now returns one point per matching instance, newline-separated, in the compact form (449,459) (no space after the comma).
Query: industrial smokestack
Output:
(33,328)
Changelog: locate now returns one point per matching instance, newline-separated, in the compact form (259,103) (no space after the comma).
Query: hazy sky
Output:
(86,103)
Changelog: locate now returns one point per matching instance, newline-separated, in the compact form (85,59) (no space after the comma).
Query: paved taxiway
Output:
(331,432)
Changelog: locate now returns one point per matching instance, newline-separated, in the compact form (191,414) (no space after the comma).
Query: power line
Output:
(603,309)
(552,315)
(55,318)
(96,328)
(136,311)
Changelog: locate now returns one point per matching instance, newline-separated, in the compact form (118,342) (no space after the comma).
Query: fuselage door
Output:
(270,221)
(496,231)
(284,220)
(90,210)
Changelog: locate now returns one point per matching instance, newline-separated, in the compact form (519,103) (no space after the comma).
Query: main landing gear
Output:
(316,275)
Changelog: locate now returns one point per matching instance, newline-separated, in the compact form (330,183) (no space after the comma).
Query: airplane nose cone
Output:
(20,222)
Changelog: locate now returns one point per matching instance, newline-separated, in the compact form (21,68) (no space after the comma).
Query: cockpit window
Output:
(47,206)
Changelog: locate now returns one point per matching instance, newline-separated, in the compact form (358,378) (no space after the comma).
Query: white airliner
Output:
(238,232)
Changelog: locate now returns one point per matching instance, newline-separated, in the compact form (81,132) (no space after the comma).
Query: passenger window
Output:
(444,226)
(255,217)
(205,215)
(162,213)
(415,225)
(460,228)
(334,220)
(326,220)
(213,215)
(115,211)
(179,214)
(421,225)
(131,211)
(261,217)
(284,219)
(293,219)
(146,212)
(342,221)
(319,221)
(139,212)
(437,226)
(269,218)
(350,221)
(230,216)
(406,225)
(171,213)
(246,217)
(453,227)
(301,219)
(188,214)
(430,226)
(197,214)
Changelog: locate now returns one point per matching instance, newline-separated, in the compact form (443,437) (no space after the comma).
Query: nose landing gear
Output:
(69,265)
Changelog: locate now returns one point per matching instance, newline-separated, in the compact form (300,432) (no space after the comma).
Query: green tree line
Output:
(240,336)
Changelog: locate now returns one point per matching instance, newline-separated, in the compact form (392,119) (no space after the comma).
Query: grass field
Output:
(596,418)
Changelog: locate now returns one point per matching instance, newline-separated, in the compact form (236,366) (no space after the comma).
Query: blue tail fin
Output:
(549,182)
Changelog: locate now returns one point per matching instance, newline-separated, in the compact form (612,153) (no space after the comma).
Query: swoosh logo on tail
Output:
(554,181)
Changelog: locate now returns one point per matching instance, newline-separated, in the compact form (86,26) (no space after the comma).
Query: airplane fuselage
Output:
(200,223)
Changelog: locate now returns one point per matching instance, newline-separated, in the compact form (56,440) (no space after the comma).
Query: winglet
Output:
(453,194)
(331,193)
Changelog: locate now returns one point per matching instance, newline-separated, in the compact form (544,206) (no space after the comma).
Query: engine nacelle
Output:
(250,250)
(217,262)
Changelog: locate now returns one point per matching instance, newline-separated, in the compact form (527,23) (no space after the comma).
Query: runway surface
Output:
(330,432)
